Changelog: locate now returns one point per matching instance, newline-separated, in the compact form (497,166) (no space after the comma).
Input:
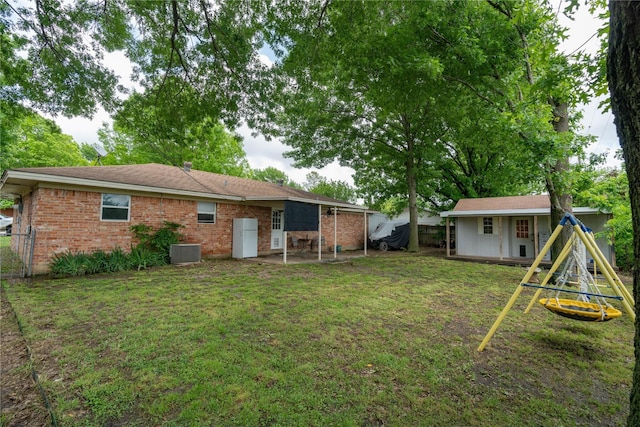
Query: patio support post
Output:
(319,232)
(448,237)
(535,237)
(335,232)
(500,236)
(284,255)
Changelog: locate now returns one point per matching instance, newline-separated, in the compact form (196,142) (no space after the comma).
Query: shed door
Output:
(522,238)
(276,228)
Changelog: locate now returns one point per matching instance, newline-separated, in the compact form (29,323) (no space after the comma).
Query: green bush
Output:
(118,261)
(97,262)
(153,250)
(69,264)
(160,240)
(142,257)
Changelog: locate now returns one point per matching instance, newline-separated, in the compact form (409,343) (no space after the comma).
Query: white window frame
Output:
(109,207)
(482,226)
(207,208)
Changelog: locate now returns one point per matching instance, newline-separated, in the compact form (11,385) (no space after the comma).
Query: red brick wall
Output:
(70,220)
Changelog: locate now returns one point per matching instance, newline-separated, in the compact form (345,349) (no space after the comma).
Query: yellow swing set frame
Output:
(574,309)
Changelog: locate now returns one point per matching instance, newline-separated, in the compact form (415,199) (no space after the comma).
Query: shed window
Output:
(115,207)
(488,225)
(206,213)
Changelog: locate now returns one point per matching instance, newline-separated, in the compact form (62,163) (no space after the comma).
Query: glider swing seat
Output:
(588,304)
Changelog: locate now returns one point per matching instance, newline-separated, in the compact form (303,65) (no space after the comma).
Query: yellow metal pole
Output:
(515,295)
(596,255)
(607,266)
(563,255)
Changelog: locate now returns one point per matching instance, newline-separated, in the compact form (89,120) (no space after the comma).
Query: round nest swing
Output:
(580,310)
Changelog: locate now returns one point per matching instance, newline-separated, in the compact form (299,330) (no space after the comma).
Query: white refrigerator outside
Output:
(245,238)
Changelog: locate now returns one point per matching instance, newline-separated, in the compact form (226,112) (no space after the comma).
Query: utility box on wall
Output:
(184,252)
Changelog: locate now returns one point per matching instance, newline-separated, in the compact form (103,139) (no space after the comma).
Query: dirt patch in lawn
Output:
(20,402)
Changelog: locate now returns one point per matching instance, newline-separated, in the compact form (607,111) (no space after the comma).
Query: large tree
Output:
(207,145)
(368,84)
(30,140)
(196,58)
(429,100)
(623,70)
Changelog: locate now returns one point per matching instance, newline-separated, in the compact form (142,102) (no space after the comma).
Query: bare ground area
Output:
(20,402)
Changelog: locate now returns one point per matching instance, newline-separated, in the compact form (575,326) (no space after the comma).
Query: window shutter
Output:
(480,225)
(496,227)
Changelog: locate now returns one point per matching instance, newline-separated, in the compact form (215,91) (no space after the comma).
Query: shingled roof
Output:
(504,203)
(538,204)
(159,178)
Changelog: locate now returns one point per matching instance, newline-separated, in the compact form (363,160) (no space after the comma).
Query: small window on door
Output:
(276,220)
(522,228)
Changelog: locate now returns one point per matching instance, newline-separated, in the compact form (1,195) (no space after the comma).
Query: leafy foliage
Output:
(160,240)
(30,140)
(274,176)
(139,136)
(79,263)
(142,257)
(336,189)
(69,264)
(609,191)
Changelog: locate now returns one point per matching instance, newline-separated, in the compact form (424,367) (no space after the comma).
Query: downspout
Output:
(365,233)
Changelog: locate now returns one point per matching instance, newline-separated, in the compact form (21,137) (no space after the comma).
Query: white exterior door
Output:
(522,237)
(277,216)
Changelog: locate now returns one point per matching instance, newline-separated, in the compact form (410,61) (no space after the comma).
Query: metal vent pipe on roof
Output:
(187,166)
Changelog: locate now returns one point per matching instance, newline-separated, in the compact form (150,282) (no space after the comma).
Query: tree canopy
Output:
(30,140)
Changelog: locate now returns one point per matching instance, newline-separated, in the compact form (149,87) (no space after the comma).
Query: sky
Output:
(262,153)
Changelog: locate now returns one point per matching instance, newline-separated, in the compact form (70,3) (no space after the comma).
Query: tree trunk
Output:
(559,195)
(623,70)
(412,183)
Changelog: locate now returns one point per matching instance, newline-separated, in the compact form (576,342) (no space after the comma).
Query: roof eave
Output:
(18,176)
(513,212)
(345,206)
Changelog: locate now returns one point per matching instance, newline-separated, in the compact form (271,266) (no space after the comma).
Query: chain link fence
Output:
(16,254)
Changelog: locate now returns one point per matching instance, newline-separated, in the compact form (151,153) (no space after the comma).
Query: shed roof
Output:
(540,201)
(538,204)
(157,178)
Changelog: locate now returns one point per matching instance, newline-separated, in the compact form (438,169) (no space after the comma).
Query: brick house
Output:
(91,208)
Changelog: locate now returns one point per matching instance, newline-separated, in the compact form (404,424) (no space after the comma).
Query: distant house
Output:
(513,228)
(91,208)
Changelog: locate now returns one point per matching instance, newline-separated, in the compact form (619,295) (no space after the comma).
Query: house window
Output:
(487,225)
(206,213)
(115,207)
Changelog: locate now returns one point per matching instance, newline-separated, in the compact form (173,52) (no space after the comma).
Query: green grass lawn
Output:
(384,340)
